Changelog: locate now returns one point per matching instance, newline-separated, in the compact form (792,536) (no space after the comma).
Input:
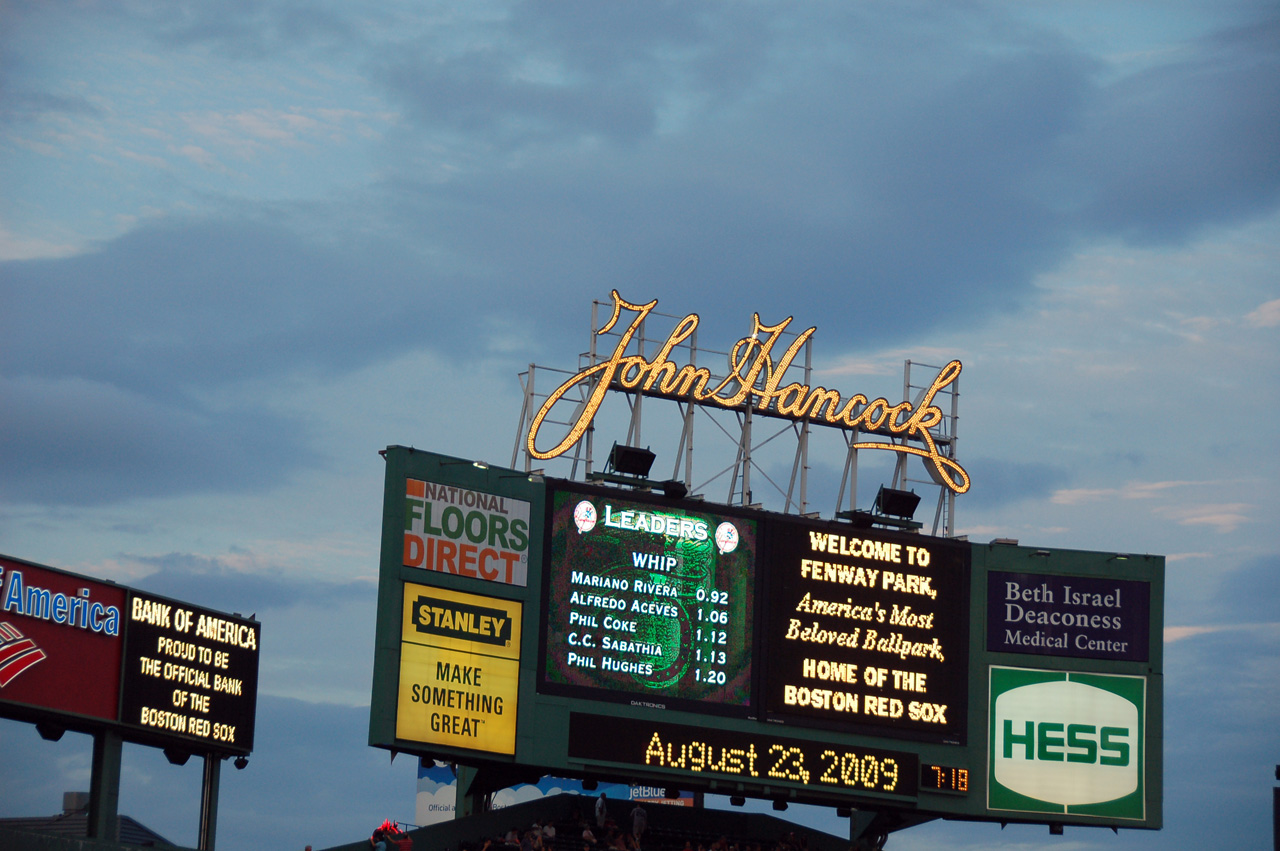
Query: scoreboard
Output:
(620,634)
(648,601)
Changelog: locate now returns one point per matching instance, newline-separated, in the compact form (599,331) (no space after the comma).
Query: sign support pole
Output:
(104,786)
(468,802)
(209,801)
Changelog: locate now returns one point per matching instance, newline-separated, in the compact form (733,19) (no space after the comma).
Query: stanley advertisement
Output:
(459,669)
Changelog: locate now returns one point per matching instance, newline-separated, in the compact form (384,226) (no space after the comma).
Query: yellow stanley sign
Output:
(459,669)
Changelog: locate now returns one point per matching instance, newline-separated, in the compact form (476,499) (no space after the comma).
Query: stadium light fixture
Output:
(896,503)
(630,460)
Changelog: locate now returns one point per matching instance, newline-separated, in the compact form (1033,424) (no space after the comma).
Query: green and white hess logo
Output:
(1066,742)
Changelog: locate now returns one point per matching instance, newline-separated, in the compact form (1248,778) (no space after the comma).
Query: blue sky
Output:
(245,245)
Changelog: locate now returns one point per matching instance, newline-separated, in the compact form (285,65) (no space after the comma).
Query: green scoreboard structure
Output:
(529,625)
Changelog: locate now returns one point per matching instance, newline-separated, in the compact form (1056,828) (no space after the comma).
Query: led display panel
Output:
(867,629)
(652,600)
(753,758)
(190,673)
(94,655)
(944,778)
(731,650)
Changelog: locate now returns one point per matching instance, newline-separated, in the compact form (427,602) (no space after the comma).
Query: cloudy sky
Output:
(245,245)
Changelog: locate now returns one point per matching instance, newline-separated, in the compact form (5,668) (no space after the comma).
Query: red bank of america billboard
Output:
(89,654)
(60,640)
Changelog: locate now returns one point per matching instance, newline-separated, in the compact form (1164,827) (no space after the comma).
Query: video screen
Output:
(648,600)
(867,628)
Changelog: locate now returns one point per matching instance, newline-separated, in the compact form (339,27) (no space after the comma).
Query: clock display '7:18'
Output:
(944,778)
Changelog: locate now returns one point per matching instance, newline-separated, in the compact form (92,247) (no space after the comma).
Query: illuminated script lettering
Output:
(755,376)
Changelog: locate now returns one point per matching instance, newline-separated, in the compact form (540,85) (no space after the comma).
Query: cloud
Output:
(246,586)
(554,152)
(1224,517)
(1249,593)
(543,74)
(249,29)
(997,482)
(1163,152)
(200,156)
(185,304)
(953,182)
(1131,490)
(20,107)
(1266,316)
(829,211)
(249,134)
(14,246)
(82,442)
(124,369)
(1224,593)
(1177,633)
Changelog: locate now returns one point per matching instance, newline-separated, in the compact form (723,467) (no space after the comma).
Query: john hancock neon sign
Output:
(754,378)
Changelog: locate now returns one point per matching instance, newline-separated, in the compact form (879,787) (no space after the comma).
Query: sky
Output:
(246,245)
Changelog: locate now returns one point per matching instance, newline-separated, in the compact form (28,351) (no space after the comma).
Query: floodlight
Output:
(896,503)
(479,465)
(630,460)
(674,489)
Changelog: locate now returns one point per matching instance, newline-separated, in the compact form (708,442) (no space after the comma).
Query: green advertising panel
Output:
(1067,743)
